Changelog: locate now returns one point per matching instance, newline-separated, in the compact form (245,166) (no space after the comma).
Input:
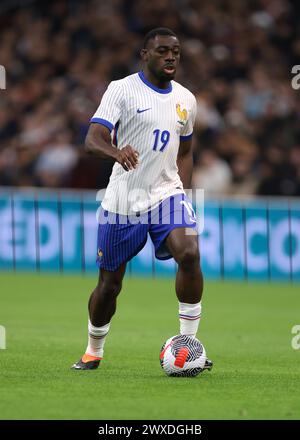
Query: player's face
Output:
(162,56)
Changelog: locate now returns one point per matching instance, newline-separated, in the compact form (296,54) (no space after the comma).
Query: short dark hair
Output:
(157,31)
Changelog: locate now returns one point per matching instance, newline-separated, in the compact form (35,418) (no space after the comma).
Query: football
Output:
(183,356)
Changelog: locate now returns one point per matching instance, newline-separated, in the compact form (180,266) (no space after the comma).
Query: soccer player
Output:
(151,119)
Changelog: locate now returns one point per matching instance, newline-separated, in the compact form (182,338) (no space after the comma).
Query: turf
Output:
(246,329)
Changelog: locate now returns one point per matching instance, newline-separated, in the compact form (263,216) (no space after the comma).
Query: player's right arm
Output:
(98,139)
(98,142)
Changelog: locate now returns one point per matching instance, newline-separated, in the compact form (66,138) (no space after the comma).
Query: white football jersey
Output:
(152,121)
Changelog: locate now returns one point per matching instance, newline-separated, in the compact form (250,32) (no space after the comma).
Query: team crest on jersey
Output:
(182,114)
(100,253)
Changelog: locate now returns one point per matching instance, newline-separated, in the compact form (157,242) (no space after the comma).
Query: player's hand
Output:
(128,158)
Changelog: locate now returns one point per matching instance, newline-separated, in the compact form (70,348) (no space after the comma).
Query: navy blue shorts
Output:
(121,237)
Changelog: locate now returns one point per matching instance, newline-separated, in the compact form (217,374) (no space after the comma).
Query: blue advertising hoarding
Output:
(49,231)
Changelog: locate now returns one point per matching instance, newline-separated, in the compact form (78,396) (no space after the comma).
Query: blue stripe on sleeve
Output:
(186,138)
(104,122)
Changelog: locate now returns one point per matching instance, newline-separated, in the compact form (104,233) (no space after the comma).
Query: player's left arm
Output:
(185,162)
(185,152)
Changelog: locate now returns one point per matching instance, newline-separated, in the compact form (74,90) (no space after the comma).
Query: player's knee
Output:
(110,289)
(188,258)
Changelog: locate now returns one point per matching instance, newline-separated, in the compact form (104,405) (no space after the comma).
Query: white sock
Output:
(189,318)
(96,339)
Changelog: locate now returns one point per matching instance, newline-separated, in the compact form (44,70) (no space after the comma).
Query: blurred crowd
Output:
(237,58)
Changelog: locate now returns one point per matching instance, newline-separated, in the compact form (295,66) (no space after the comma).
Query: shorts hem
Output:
(126,260)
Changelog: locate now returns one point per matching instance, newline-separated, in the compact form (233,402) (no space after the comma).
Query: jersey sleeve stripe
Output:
(186,138)
(104,122)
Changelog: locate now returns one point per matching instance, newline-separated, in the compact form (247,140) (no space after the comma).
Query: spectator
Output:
(211,174)
(54,165)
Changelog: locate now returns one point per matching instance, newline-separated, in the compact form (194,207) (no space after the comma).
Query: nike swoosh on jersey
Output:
(144,110)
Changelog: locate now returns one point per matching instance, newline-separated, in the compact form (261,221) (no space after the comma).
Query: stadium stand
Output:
(236,57)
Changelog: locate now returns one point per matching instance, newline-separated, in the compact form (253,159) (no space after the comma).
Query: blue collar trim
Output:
(152,86)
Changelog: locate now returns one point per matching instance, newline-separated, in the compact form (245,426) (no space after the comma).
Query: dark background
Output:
(237,58)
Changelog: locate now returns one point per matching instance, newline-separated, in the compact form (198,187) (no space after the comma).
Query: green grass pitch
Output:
(246,330)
